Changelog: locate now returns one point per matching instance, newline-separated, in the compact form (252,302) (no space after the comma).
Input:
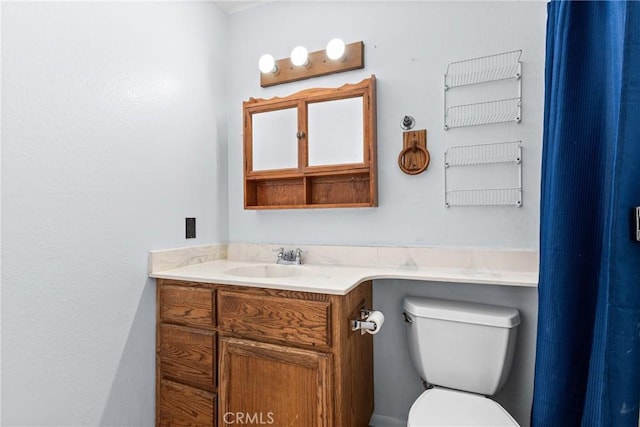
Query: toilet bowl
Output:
(464,351)
(444,407)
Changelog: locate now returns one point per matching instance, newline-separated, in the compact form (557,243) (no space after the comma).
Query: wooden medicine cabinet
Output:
(313,149)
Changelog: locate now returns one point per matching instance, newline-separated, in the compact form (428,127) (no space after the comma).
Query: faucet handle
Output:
(299,253)
(280,252)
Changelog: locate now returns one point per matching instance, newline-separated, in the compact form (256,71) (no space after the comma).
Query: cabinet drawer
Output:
(181,405)
(187,355)
(187,306)
(291,321)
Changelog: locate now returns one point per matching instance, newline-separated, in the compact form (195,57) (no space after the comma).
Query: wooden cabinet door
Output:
(267,384)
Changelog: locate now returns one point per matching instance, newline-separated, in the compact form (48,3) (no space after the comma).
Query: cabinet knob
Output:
(300,134)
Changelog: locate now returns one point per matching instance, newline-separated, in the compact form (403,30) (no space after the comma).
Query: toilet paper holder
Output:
(362,324)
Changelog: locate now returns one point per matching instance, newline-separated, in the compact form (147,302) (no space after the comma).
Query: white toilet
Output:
(464,350)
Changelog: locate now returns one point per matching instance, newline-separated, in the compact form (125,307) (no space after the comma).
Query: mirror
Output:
(335,132)
(275,145)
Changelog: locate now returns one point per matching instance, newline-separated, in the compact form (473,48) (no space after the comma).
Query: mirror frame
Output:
(305,179)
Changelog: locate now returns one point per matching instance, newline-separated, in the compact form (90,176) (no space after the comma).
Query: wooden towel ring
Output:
(414,158)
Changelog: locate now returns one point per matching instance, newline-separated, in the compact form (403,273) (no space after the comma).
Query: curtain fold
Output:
(588,350)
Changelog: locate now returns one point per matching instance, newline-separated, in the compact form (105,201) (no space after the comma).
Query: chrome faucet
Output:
(290,257)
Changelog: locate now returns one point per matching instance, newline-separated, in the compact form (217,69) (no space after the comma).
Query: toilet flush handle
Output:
(407,318)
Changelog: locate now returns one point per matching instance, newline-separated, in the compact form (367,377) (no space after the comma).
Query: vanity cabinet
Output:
(229,355)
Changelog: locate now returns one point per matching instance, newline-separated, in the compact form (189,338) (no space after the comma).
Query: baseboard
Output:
(378,420)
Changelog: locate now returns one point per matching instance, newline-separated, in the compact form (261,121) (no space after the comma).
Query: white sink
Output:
(267,270)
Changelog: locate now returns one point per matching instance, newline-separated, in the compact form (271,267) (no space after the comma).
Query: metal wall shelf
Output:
(482,113)
(485,69)
(484,154)
(485,197)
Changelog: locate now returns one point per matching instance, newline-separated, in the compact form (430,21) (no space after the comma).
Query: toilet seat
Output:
(444,407)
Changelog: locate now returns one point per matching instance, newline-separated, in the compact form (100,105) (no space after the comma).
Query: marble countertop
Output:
(328,279)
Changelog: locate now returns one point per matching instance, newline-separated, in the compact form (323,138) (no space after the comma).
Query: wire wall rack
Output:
(500,111)
(486,197)
(476,71)
(509,153)
(490,68)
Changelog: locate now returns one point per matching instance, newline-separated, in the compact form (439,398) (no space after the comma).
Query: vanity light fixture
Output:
(300,56)
(335,49)
(267,64)
(336,58)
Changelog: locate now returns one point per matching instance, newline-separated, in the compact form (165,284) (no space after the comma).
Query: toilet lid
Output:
(442,407)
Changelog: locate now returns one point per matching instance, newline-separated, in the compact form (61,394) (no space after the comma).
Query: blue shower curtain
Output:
(588,350)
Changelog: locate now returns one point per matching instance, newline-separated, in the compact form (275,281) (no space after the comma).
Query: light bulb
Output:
(335,49)
(299,56)
(267,64)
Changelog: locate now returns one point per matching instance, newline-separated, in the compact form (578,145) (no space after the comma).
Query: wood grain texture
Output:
(348,90)
(187,355)
(281,293)
(371,138)
(183,406)
(187,306)
(329,383)
(339,189)
(355,185)
(291,386)
(319,65)
(275,319)
(414,157)
(279,192)
(194,285)
(353,360)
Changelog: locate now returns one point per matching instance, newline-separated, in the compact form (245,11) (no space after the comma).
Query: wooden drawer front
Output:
(187,355)
(187,306)
(292,321)
(184,406)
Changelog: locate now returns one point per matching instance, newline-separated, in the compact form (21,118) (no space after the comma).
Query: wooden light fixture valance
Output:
(319,65)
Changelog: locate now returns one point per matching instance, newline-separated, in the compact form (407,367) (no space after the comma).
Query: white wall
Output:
(407,46)
(111,114)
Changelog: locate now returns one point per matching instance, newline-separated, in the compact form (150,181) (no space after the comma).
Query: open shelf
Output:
(485,197)
(276,192)
(313,191)
(501,152)
(482,70)
(483,113)
(502,66)
(478,159)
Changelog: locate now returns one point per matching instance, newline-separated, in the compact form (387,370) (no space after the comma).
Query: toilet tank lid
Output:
(461,311)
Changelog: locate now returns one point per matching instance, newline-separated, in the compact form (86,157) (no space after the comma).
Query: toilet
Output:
(464,352)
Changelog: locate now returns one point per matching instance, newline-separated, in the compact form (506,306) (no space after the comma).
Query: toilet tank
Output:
(461,345)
